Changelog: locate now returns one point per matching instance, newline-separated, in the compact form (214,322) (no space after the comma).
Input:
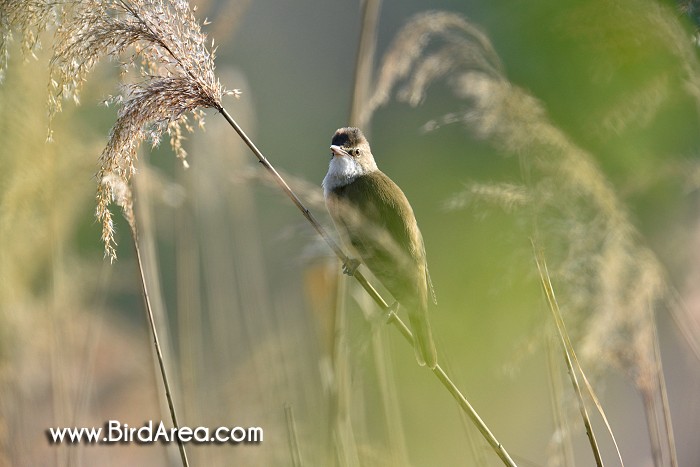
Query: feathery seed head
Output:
(160,46)
(430,47)
(162,55)
(29,19)
(609,277)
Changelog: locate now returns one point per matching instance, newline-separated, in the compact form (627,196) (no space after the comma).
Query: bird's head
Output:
(352,146)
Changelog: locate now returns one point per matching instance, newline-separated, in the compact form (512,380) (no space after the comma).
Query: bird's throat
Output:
(341,171)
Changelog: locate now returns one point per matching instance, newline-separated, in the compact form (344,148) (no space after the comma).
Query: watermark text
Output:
(114,431)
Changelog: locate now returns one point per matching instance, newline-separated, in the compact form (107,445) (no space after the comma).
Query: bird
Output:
(374,217)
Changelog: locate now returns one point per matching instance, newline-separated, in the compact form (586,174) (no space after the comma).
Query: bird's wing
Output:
(382,228)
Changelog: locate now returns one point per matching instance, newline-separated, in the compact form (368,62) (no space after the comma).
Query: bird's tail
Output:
(423,343)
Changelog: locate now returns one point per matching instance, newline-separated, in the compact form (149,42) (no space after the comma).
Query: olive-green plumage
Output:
(374,216)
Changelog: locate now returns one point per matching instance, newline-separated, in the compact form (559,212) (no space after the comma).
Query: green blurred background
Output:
(232,261)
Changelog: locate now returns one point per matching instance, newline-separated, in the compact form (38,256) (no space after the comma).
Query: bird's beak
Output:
(338,151)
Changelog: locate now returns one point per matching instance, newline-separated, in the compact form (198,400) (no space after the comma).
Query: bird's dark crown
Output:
(348,137)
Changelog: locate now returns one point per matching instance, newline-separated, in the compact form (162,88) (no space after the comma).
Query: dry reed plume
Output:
(29,19)
(157,43)
(612,280)
(178,79)
(410,58)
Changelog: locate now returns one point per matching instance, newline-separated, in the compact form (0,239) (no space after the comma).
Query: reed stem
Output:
(156,342)
(567,349)
(292,435)
(392,317)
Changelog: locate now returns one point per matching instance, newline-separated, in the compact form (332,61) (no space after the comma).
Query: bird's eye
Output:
(357,152)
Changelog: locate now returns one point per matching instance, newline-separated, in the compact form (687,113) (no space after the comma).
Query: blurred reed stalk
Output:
(561,445)
(364,64)
(53,338)
(341,393)
(388,393)
(292,437)
(572,364)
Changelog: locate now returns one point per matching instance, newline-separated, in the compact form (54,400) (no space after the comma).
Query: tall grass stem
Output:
(156,342)
(556,390)
(665,407)
(563,338)
(292,434)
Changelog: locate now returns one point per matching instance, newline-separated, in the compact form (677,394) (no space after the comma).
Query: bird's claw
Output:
(350,266)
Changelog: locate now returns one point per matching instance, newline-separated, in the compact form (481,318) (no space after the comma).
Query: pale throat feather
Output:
(343,171)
